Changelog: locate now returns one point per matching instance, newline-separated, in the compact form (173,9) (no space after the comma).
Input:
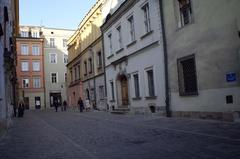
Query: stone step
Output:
(120,110)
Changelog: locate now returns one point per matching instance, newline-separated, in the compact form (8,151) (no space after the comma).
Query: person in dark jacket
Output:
(21,106)
(55,104)
(64,105)
(80,104)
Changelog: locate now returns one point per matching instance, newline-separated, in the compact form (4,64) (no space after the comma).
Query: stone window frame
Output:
(181,80)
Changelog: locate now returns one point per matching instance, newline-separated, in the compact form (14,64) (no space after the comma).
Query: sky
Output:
(65,14)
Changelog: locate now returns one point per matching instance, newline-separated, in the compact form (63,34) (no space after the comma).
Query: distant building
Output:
(30,67)
(86,67)
(134,57)
(9,24)
(203,46)
(55,61)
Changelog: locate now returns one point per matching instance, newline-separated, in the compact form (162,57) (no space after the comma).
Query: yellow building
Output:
(85,67)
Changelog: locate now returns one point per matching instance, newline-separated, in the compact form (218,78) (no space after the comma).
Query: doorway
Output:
(26,102)
(122,91)
(55,97)
(37,103)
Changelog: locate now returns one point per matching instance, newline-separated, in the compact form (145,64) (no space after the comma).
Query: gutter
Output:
(167,101)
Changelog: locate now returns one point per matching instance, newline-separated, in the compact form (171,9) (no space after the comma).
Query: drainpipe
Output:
(167,101)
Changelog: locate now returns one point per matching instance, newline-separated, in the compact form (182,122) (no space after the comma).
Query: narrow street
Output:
(100,135)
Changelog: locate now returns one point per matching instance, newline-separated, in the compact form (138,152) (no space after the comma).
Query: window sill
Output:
(99,67)
(184,94)
(110,56)
(184,26)
(151,97)
(147,34)
(132,43)
(112,101)
(120,50)
(137,98)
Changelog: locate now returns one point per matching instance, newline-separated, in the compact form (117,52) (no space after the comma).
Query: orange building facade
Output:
(30,68)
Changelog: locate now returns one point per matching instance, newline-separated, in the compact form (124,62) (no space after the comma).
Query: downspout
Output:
(167,101)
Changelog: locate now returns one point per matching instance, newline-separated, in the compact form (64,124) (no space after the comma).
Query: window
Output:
(24,66)
(36,65)
(112,90)
(90,65)
(65,58)
(136,85)
(85,68)
(25,83)
(24,34)
(36,82)
(52,42)
(64,42)
(79,71)
(35,49)
(35,34)
(99,59)
(101,92)
(185,10)
(110,44)
(24,49)
(150,78)
(131,28)
(187,77)
(65,77)
(71,75)
(53,58)
(54,77)
(145,9)
(119,30)
(75,73)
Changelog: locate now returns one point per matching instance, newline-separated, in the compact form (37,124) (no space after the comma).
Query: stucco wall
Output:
(213,38)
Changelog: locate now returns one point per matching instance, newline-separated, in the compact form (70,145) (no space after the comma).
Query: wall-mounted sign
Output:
(231,77)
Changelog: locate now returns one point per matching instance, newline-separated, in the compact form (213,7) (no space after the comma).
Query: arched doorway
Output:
(87,94)
(123,91)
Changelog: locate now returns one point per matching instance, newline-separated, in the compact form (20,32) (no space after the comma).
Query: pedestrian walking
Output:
(64,105)
(21,106)
(55,103)
(80,104)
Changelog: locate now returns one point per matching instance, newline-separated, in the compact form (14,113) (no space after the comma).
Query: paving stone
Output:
(100,135)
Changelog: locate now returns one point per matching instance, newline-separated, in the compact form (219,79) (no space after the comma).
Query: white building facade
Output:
(55,61)
(134,57)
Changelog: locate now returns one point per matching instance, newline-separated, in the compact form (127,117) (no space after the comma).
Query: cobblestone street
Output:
(100,135)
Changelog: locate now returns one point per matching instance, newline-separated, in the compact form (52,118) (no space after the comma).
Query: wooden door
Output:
(124,87)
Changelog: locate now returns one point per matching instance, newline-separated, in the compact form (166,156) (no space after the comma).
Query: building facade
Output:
(30,67)
(56,59)
(85,68)
(134,57)
(203,46)
(9,23)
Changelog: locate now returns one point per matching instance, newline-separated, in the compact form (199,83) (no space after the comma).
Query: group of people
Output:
(21,106)
(81,105)
(63,105)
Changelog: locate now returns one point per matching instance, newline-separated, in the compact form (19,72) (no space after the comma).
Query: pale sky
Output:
(65,14)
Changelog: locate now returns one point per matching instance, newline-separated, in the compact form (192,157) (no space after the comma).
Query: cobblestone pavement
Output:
(100,135)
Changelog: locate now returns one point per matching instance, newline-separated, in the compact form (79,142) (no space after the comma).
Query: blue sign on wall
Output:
(231,77)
